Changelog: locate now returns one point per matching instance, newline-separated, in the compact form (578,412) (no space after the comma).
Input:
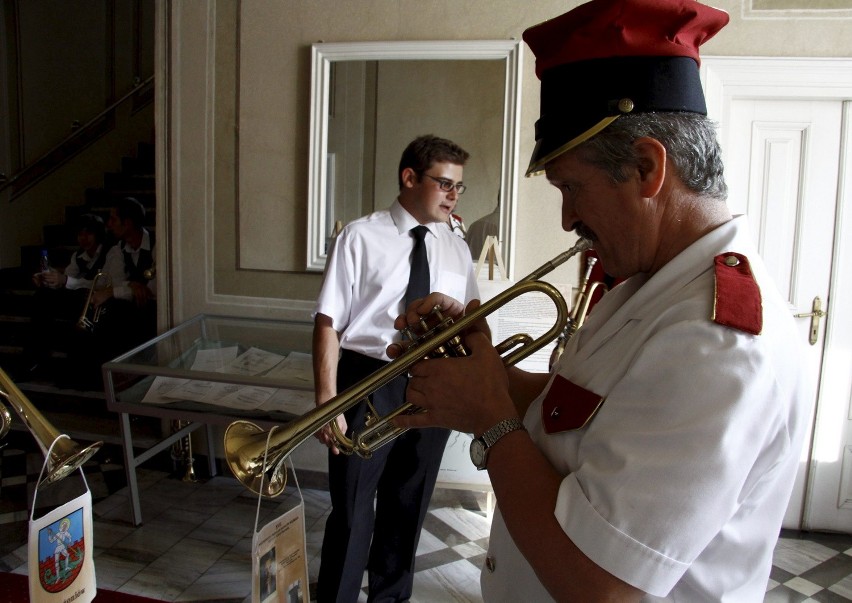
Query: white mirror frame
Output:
(323,54)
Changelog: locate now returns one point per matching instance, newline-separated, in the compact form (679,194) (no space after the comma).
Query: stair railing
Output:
(6,182)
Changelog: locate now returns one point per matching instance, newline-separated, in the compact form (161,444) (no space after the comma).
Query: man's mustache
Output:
(585,232)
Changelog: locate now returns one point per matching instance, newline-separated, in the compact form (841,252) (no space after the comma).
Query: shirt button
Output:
(490,563)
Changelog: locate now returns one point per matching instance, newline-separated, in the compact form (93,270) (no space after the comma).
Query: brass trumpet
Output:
(88,320)
(66,456)
(256,457)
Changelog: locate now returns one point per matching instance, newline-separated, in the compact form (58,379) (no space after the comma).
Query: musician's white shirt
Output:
(367,271)
(679,484)
(114,267)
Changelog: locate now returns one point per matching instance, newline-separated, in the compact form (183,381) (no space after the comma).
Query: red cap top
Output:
(624,28)
(606,58)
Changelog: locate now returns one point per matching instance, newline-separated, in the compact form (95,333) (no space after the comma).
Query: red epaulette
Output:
(738,303)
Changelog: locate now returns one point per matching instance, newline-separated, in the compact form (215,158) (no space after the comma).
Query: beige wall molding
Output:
(797,9)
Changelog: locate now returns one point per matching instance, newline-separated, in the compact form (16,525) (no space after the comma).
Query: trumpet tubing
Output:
(91,315)
(256,456)
(66,456)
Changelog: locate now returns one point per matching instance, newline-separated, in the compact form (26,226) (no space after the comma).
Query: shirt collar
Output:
(404,221)
(84,255)
(146,243)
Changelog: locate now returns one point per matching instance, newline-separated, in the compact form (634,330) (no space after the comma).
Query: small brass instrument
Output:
(580,310)
(182,452)
(66,456)
(151,272)
(91,315)
(256,457)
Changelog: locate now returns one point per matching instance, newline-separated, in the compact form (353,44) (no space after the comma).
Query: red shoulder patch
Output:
(738,303)
(567,406)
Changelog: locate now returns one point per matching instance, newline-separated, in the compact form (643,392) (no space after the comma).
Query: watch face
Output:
(477,453)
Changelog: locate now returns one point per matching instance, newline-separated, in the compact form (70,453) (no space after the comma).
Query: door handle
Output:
(815,314)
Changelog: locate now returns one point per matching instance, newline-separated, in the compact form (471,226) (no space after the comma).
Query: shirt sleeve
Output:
(335,298)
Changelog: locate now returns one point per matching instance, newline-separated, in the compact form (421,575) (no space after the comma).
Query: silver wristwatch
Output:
(479,446)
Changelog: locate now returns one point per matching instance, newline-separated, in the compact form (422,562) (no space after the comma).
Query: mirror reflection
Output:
(371,109)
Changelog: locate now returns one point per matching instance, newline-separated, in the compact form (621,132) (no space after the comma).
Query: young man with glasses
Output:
(367,279)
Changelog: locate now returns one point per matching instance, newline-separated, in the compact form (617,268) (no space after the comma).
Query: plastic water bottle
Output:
(44,262)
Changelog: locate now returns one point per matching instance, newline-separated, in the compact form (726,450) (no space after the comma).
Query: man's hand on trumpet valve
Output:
(469,394)
(420,308)
(326,435)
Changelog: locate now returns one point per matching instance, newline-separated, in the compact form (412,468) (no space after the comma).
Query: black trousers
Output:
(398,480)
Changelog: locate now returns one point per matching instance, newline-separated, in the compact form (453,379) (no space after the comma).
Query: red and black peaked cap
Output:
(607,58)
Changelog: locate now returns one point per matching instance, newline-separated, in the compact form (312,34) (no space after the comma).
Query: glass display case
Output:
(210,370)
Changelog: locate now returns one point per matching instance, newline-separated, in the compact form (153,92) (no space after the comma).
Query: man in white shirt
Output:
(366,279)
(655,461)
(130,301)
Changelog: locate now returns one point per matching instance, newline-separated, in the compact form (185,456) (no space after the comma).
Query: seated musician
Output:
(129,303)
(61,295)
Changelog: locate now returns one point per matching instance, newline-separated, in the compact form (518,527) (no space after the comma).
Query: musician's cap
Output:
(607,58)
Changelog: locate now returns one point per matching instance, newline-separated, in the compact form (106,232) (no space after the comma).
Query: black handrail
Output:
(4,183)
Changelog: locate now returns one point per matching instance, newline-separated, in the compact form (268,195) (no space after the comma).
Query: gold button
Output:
(732,260)
(490,563)
(625,105)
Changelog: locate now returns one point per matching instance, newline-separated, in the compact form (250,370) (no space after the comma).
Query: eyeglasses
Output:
(448,185)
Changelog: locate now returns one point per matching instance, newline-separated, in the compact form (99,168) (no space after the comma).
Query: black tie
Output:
(418,280)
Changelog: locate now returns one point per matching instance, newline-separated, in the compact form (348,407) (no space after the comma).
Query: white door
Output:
(784,142)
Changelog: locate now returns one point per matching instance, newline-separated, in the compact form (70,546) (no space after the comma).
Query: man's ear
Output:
(652,165)
(409,178)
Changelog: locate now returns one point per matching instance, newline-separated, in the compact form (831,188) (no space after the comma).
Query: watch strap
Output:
(505,426)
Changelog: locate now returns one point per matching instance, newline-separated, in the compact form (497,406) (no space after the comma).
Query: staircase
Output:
(135,179)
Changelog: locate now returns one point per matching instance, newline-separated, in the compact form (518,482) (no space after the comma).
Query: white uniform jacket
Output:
(678,485)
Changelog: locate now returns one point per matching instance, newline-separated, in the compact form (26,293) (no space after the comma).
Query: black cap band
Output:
(579,99)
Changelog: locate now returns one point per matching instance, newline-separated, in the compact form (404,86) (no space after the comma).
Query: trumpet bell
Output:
(245,444)
(65,456)
(68,459)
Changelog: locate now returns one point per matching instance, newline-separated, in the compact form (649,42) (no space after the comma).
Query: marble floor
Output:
(195,542)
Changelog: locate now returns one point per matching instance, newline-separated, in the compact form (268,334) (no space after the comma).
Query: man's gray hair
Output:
(690,142)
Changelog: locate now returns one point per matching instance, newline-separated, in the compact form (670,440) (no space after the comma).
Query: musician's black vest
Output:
(146,260)
(87,272)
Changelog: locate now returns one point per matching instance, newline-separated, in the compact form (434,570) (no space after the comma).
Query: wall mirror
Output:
(370,99)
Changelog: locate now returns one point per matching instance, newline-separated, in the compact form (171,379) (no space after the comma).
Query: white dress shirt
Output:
(367,271)
(114,267)
(72,272)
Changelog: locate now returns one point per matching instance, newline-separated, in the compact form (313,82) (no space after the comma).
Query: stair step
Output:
(119,181)
(140,166)
(59,235)
(101,198)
